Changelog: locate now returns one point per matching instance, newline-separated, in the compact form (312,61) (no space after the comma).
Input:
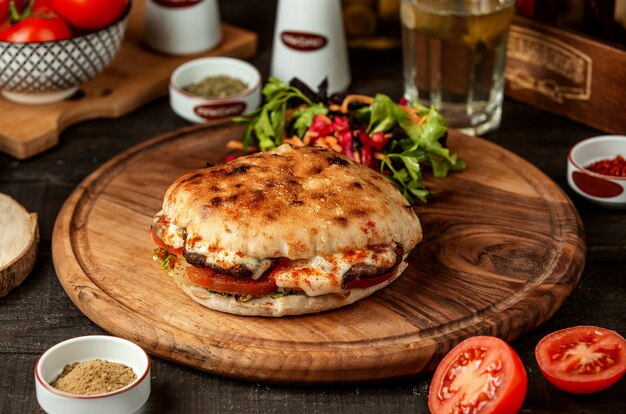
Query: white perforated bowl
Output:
(45,72)
(87,348)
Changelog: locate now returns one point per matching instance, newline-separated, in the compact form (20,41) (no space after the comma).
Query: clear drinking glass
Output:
(454,56)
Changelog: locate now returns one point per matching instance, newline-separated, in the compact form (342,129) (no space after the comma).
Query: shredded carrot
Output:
(379,156)
(357,157)
(368,100)
(238,145)
(308,137)
(294,141)
(334,108)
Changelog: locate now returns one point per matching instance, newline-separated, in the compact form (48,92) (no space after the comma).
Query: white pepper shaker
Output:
(182,27)
(310,44)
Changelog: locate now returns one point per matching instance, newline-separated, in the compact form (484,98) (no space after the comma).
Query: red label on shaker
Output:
(305,42)
(211,112)
(176,3)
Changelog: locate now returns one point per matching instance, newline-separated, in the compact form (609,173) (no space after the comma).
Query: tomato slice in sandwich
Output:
(161,243)
(367,282)
(234,285)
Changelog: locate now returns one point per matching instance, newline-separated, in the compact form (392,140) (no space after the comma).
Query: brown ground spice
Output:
(94,377)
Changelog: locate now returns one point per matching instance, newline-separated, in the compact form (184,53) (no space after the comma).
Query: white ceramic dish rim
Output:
(130,386)
(209,61)
(74,38)
(590,141)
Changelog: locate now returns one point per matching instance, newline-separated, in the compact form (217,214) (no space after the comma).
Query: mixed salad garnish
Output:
(398,139)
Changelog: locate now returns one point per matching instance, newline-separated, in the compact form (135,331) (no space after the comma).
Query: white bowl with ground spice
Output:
(93,374)
(214,88)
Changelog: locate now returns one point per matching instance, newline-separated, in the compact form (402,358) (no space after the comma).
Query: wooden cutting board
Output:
(136,76)
(503,247)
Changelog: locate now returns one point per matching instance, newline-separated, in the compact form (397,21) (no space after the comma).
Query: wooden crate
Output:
(567,74)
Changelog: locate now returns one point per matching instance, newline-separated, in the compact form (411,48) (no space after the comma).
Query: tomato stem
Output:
(14,15)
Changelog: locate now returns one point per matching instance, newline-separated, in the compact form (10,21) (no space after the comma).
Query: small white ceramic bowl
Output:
(199,109)
(602,189)
(46,72)
(86,348)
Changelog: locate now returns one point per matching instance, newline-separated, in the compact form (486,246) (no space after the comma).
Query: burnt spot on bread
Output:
(356,185)
(316,169)
(240,169)
(192,178)
(257,196)
(271,184)
(319,196)
(341,221)
(217,201)
(270,216)
(214,189)
(233,198)
(337,161)
(297,203)
(238,185)
(357,213)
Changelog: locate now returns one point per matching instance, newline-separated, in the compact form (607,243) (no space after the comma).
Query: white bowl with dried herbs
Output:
(93,374)
(213,89)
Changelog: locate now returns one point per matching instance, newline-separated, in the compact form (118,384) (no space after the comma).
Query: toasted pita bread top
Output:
(290,202)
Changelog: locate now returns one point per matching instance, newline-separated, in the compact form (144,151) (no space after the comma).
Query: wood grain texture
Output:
(503,248)
(136,76)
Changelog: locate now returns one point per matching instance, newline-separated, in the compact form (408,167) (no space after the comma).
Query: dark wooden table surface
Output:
(38,314)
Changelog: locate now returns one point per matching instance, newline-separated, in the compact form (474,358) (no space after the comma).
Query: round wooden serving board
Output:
(503,247)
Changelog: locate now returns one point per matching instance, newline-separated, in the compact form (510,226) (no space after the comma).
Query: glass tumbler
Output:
(454,53)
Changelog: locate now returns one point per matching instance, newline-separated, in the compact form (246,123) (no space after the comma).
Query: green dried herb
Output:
(216,87)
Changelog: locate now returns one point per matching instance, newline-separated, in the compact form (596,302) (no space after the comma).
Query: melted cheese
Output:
(226,260)
(324,275)
(168,232)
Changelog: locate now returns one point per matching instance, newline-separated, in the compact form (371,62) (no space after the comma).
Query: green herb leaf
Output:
(303,117)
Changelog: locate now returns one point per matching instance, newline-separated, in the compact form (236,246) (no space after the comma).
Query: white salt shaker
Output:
(310,44)
(182,27)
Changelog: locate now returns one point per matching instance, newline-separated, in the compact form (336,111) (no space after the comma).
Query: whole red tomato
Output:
(89,14)
(36,29)
(4,12)
(33,21)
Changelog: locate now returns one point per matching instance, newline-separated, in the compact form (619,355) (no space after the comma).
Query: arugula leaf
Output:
(266,125)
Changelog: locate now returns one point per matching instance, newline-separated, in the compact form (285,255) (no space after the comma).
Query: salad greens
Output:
(396,139)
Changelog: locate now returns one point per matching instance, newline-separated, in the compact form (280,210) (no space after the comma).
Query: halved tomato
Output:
(161,243)
(234,285)
(482,375)
(582,359)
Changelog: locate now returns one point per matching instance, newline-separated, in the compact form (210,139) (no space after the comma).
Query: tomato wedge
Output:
(482,375)
(234,285)
(582,359)
(161,243)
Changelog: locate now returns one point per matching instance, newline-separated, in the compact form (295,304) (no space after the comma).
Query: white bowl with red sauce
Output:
(128,399)
(590,156)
